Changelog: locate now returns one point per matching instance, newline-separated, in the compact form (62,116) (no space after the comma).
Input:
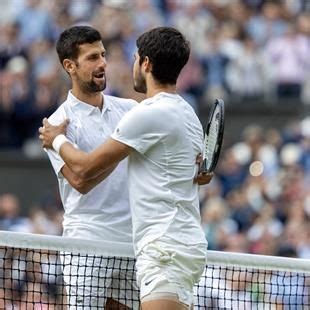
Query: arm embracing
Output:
(101,161)
(83,185)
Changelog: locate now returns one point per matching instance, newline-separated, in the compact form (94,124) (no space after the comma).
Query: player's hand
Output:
(48,132)
(202,178)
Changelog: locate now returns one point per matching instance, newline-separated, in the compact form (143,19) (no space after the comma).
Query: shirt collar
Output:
(158,95)
(87,108)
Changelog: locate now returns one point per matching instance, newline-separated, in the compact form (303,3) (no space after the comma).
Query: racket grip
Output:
(203,166)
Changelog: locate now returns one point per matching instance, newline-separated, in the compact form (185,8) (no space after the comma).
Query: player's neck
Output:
(94,99)
(154,88)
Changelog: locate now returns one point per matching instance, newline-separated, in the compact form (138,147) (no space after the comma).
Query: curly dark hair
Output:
(168,51)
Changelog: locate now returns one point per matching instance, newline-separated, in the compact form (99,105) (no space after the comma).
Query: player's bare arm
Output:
(83,185)
(85,165)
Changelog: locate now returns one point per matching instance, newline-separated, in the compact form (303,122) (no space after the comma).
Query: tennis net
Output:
(49,272)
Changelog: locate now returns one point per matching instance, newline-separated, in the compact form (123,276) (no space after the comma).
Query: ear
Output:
(69,65)
(147,64)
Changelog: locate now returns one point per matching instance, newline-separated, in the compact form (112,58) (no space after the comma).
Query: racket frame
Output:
(215,156)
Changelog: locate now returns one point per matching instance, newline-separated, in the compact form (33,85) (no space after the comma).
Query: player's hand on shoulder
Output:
(48,132)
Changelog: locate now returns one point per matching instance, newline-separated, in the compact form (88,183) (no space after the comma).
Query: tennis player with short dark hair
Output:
(94,213)
(162,137)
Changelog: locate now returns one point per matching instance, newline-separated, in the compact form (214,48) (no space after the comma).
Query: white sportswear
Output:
(103,213)
(166,136)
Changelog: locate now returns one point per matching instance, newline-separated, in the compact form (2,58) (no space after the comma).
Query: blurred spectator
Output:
(241,211)
(147,15)
(265,226)
(35,23)
(190,82)
(215,219)
(245,72)
(235,243)
(10,45)
(214,63)
(10,214)
(16,101)
(45,224)
(231,172)
(109,20)
(289,56)
(267,23)
(45,218)
(81,10)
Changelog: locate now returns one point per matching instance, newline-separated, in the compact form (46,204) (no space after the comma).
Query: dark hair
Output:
(168,51)
(70,39)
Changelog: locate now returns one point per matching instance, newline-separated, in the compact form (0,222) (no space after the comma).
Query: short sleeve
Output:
(56,161)
(55,119)
(140,129)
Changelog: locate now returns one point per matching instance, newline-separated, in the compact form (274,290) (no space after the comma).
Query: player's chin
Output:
(99,85)
(140,88)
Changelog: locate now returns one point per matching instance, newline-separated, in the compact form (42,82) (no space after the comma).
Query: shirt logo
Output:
(148,282)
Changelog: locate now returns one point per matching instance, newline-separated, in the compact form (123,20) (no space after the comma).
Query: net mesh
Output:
(247,288)
(34,279)
(56,279)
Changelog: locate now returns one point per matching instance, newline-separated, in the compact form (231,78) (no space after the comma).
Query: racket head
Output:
(213,139)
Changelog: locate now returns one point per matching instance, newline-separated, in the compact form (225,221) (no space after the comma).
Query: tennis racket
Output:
(213,136)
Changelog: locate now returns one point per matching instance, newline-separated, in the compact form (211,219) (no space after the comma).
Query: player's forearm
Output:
(83,185)
(98,163)
(87,185)
(74,158)
(80,163)
(90,165)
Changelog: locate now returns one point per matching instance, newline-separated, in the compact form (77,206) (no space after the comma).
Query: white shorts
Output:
(167,267)
(91,280)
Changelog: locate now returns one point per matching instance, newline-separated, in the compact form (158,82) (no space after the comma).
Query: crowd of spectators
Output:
(240,49)
(258,201)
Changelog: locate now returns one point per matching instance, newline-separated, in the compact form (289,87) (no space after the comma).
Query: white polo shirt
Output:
(104,212)
(166,136)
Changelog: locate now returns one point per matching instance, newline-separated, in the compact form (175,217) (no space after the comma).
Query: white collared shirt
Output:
(166,136)
(104,212)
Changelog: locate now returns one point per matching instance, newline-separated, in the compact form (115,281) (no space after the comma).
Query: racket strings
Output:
(211,141)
